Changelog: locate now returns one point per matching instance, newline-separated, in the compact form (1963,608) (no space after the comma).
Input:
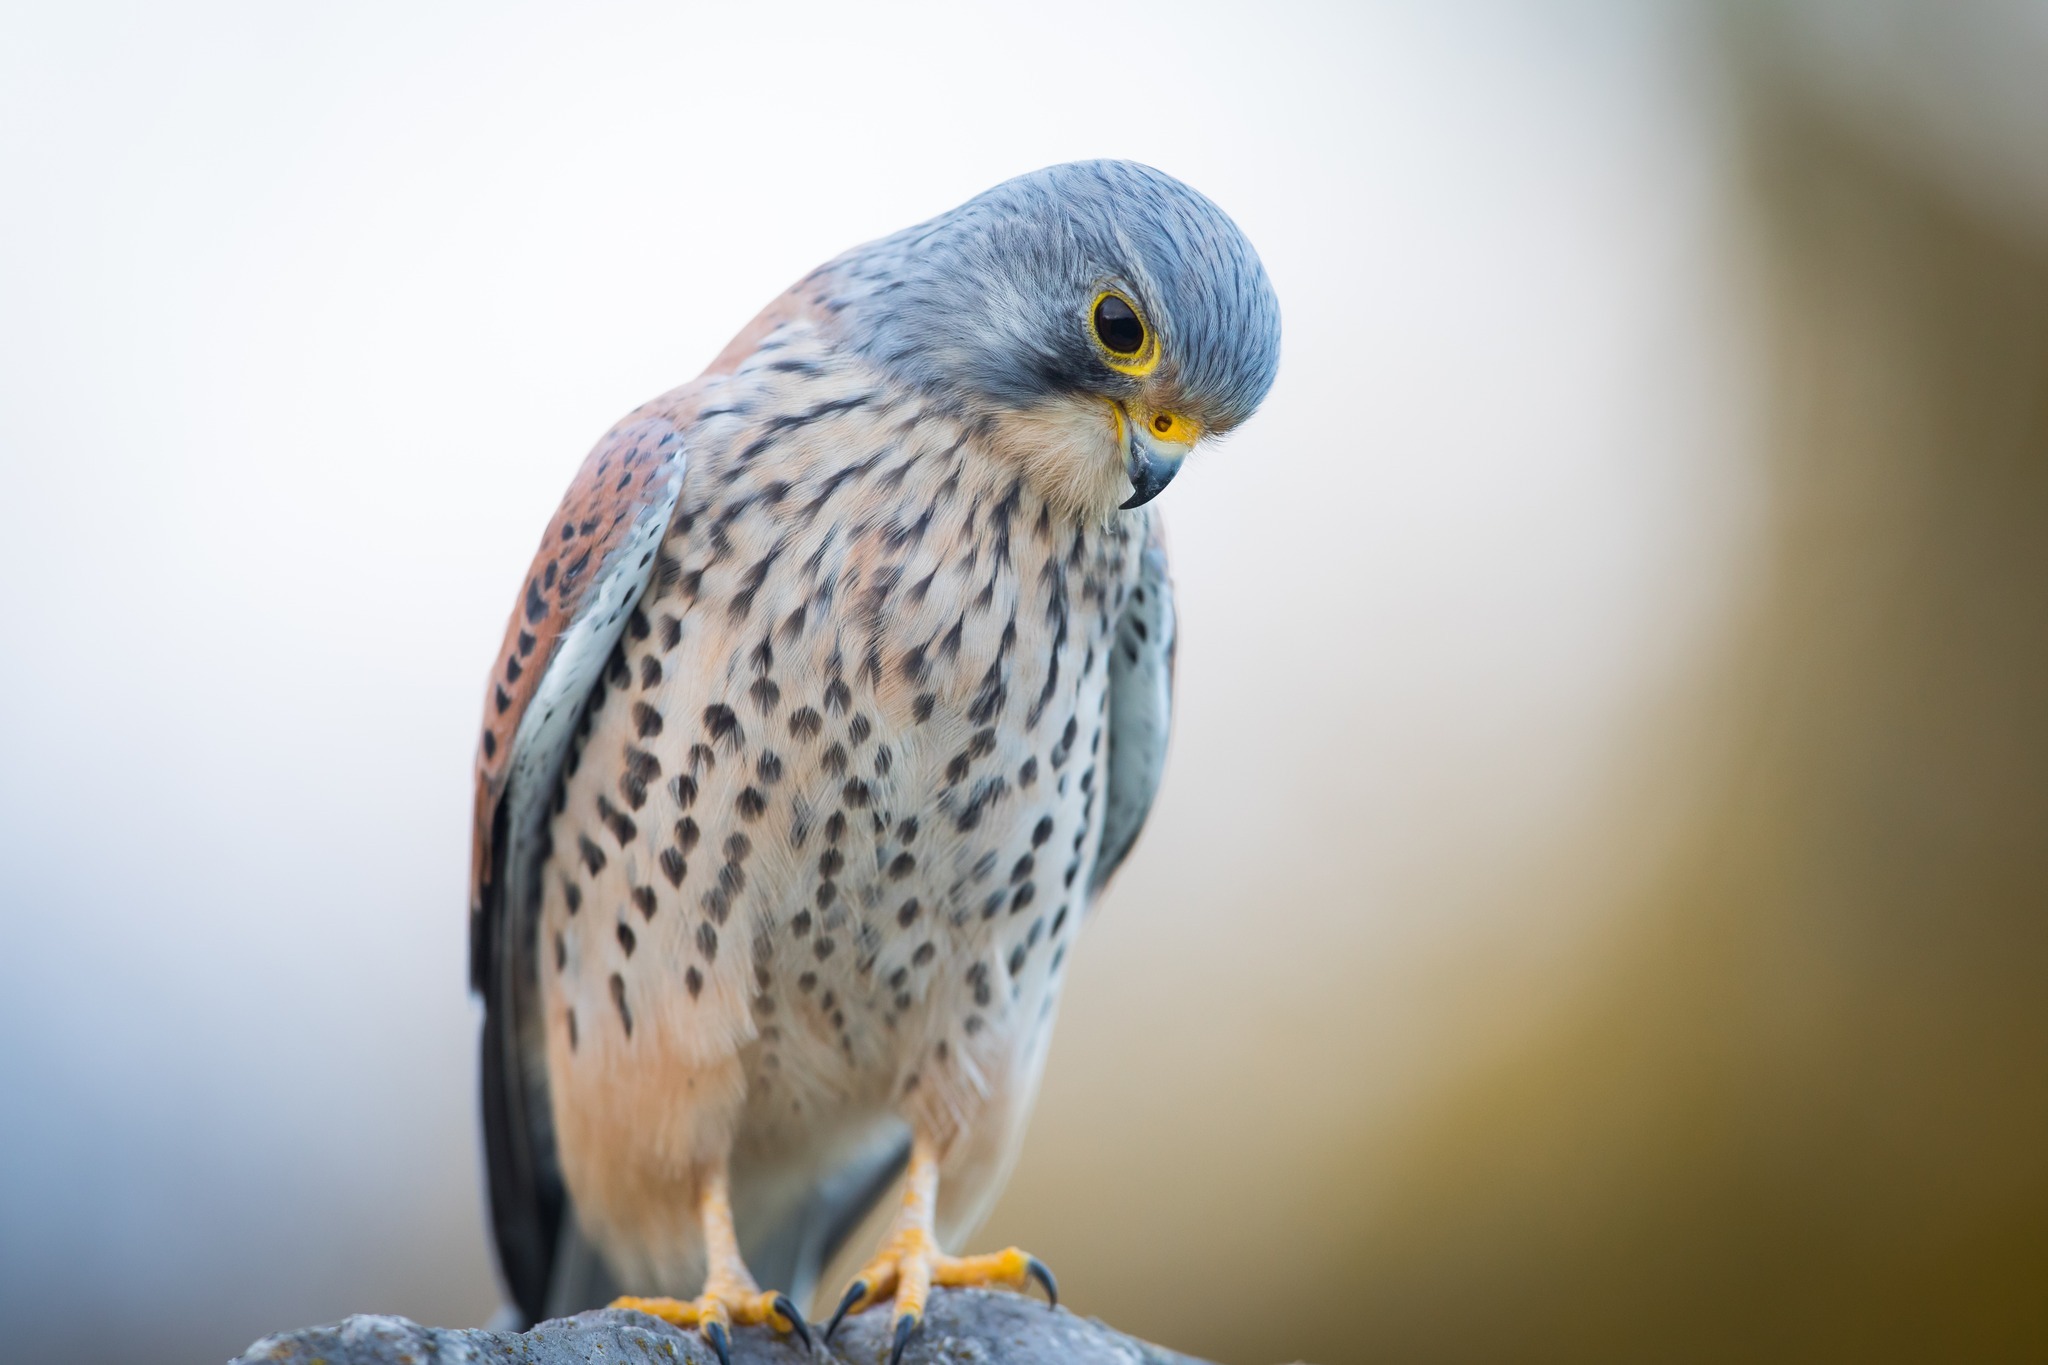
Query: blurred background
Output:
(1625,936)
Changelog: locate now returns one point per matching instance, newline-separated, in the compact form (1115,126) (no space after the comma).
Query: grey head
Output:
(1100,316)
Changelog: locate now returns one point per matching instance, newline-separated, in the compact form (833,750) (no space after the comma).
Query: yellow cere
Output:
(1172,428)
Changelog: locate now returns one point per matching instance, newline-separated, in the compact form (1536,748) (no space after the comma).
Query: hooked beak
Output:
(1150,460)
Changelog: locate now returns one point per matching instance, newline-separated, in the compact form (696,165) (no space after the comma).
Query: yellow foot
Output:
(714,1312)
(910,1263)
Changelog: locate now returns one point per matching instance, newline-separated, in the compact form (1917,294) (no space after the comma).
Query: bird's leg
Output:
(730,1294)
(910,1262)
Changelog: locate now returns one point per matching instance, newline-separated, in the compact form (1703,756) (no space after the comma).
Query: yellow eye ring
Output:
(1128,345)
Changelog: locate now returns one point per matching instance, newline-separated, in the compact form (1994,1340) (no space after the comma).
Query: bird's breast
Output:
(830,826)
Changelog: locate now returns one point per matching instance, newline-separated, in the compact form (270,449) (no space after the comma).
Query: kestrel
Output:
(837,690)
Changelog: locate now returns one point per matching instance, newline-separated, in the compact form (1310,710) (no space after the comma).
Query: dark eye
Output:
(1118,327)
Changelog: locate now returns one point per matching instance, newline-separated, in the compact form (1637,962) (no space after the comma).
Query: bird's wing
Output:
(597,557)
(1140,707)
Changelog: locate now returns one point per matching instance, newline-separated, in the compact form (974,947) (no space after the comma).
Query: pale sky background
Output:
(307,313)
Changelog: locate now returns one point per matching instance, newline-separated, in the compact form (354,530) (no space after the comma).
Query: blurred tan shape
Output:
(1803,1115)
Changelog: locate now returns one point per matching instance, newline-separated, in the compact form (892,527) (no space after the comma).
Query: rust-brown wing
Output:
(635,469)
(596,559)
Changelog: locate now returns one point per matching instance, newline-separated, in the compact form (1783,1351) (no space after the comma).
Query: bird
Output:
(838,689)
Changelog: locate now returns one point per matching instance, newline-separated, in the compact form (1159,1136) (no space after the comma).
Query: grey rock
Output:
(962,1327)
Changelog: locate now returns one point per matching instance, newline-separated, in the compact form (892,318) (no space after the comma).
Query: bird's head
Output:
(1100,317)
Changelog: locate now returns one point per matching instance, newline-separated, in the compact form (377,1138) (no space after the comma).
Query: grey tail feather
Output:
(581,1279)
(793,1256)
(509,1318)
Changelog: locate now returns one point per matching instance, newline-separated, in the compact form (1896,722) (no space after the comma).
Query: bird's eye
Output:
(1118,326)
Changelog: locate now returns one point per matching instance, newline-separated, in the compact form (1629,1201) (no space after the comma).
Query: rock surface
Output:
(962,1327)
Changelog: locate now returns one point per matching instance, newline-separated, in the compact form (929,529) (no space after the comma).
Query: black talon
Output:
(906,1328)
(714,1332)
(855,1292)
(1036,1269)
(796,1322)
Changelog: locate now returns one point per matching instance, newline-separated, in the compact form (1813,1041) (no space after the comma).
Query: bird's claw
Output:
(786,1310)
(714,1312)
(910,1265)
(906,1328)
(855,1292)
(1039,1271)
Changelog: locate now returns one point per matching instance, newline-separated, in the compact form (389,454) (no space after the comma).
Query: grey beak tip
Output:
(1148,477)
